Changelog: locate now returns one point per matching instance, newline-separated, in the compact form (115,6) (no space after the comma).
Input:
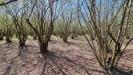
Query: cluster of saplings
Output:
(104,24)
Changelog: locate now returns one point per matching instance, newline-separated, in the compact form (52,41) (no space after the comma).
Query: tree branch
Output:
(1,4)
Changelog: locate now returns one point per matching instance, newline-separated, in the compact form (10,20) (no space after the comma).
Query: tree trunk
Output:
(127,36)
(8,40)
(72,37)
(61,36)
(65,39)
(22,51)
(1,38)
(111,71)
(43,47)
(22,48)
(21,44)
(34,37)
(92,38)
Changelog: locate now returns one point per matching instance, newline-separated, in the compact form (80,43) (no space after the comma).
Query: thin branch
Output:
(1,4)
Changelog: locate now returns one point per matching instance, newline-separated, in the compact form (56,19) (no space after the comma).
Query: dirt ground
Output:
(73,58)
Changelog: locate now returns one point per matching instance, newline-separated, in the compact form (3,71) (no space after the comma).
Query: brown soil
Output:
(73,58)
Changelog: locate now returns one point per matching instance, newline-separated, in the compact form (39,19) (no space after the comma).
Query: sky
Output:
(71,5)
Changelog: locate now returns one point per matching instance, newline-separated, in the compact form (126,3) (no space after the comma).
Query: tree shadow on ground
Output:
(57,64)
(121,71)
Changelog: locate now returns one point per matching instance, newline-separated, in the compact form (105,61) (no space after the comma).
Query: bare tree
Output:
(9,33)
(8,28)
(108,23)
(43,23)
(18,15)
(65,26)
(75,30)
(66,20)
